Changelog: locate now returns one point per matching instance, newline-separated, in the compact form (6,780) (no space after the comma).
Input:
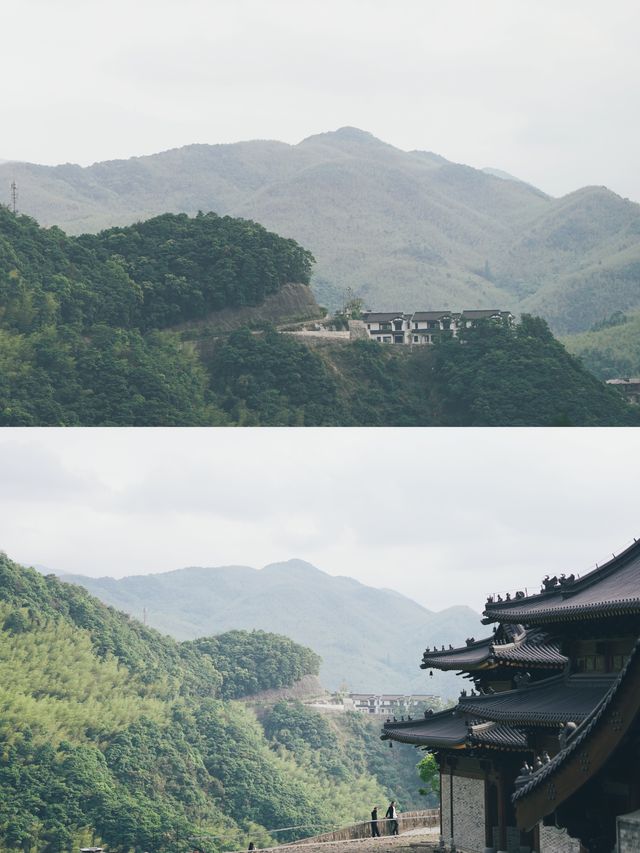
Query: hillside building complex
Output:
(542,751)
(388,703)
(424,327)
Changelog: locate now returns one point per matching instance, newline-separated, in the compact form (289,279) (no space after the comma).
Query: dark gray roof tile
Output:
(610,590)
(445,729)
(548,703)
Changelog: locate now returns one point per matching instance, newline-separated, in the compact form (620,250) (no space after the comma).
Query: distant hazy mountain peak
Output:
(293,567)
(346,135)
(500,173)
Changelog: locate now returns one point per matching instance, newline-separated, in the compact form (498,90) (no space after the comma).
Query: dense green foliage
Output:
(84,340)
(520,376)
(499,376)
(183,268)
(60,376)
(80,317)
(149,275)
(253,661)
(611,349)
(273,380)
(111,733)
(430,775)
(311,738)
(405,230)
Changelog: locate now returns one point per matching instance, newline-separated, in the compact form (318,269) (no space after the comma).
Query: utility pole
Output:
(144,615)
(14,197)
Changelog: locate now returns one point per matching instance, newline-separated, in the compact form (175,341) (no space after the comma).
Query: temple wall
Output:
(468,812)
(629,832)
(554,840)
(445,806)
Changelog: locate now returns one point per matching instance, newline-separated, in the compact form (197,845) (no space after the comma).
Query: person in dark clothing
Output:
(392,816)
(375,832)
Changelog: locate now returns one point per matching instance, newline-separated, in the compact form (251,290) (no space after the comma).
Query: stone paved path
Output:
(420,840)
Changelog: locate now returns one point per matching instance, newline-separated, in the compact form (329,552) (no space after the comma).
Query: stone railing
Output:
(406,821)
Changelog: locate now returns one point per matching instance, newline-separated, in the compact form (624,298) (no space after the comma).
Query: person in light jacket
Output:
(392,815)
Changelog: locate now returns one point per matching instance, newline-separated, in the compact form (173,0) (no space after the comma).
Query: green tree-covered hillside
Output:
(611,348)
(81,318)
(119,329)
(497,376)
(112,734)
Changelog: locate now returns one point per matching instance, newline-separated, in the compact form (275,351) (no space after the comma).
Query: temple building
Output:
(542,750)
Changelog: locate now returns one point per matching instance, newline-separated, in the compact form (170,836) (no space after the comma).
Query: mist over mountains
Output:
(369,639)
(406,230)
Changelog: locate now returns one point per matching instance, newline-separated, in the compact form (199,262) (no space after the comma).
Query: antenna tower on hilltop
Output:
(14,197)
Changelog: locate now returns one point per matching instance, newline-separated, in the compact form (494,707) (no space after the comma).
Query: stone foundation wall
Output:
(629,832)
(468,812)
(445,807)
(554,840)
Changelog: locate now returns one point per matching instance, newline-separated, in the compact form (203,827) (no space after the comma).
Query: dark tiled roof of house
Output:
(385,317)
(511,646)
(531,654)
(551,702)
(462,658)
(600,716)
(482,314)
(497,736)
(454,729)
(421,316)
(610,590)
(446,729)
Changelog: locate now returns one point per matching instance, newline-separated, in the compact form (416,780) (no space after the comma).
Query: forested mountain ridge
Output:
(611,348)
(82,318)
(130,327)
(500,376)
(405,230)
(368,638)
(116,735)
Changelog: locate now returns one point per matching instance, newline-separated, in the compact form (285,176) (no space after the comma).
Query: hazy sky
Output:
(545,90)
(444,516)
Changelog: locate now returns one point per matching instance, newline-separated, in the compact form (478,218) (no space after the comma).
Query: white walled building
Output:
(389,703)
(424,327)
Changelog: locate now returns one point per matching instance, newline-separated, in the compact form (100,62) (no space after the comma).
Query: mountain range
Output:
(369,639)
(402,229)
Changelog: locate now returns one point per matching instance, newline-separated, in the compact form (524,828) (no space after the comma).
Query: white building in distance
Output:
(425,327)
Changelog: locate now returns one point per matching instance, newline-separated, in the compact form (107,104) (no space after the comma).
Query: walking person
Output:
(392,816)
(375,831)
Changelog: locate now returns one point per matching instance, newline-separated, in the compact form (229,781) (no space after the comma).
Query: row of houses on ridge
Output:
(389,703)
(424,327)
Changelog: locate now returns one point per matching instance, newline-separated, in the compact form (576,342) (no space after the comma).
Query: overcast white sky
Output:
(546,90)
(444,516)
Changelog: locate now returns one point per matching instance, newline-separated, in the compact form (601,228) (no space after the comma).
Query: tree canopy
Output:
(112,733)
